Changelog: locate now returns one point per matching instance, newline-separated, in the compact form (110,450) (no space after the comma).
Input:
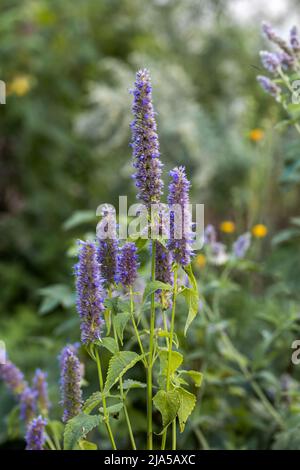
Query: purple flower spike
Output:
(108,250)
(270,61)
(127,264)
(28,403)
(241,245)
(163,272)
(180,243)
(40,387)
(35,436)
(294,39)
(12,377)
(270,34)
(145,143)
(269,86)
(70,378)
(89,293)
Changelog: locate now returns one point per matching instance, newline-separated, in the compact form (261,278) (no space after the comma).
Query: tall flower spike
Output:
(89,293)
(108,250)
(180,242)
(163,272)
(35,435)
(145,143)
(40,387)
(70,378)
(127,265)
(28,404)
(13,377)
(270,61)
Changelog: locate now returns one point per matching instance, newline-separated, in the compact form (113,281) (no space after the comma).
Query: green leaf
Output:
(86,445)
(175,361)
(54,296)
(90,404)
(79,218)
(119,364)
(13,423)
(114,409)
(187,404)
(109,344)
(192,297)
(78,427)
(196,376)
(120,322)
(129,384)
(55,429)
(153,286)
(168,404)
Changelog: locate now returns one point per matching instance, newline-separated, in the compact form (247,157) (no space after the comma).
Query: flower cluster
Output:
(35,435)
(180,243)
(145,143)
(127,265)
(89,293)
(163,272)
(13,377)
(70,382)
(277,63)
(108,249)
(28,404)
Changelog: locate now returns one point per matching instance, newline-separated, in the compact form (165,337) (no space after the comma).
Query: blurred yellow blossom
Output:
(227,226)
(19,85)
(201,261)
(256,135)
(259,231)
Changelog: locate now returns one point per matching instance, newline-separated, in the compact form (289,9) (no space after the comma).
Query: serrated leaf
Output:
(109,344)
(153,286)
(129,384)
(119,364)
(187,404)
(192,297)
(196,376)
(86,445)
(114,409)
(90,404)
(78,427)
(168,404)
(120,322)
(175,361)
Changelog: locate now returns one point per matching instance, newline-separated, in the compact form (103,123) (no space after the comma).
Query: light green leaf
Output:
(175,361)
(119,364)
(196,376)
(192,301)
(79,218)
(153,286)
(168,404)
(55,429)
(129,384)
(91,402)
(109,344)
(78,427)
(86,445)
(114,409)
(187,404)
(120,322)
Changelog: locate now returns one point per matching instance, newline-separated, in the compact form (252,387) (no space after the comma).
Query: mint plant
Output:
(111,306)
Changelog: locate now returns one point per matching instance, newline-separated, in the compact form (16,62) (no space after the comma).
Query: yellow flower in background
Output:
(20,85)
(227,226)
(259,231)
(256,135)
(201,261)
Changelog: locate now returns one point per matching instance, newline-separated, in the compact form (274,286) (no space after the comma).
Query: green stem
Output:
(135,325)
(150,362)
(123,400)
(164,436)
(106,415)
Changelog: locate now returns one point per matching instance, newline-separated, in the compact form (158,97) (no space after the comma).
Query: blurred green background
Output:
(68,67)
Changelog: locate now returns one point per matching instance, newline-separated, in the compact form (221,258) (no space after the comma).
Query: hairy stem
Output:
(105,413)
(151,348)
